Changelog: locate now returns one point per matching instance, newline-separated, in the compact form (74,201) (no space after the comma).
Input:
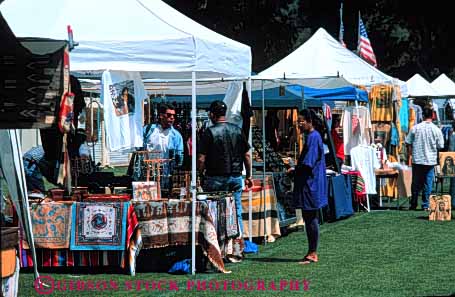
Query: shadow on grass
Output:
(271,260)
(423,218)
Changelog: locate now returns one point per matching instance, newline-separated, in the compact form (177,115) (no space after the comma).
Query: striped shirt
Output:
(426,138)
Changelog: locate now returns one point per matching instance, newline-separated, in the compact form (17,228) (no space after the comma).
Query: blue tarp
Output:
(291,98)
(337,94)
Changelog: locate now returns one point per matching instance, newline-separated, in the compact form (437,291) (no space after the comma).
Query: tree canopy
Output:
(407,36)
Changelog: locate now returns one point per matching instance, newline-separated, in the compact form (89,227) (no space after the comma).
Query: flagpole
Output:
(358,35)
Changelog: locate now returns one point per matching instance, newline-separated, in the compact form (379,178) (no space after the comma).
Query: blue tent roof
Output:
(337,94)
(292,97)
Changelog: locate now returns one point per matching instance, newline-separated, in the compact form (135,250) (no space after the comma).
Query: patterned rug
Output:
(168,223)
(99,226)
(51,225)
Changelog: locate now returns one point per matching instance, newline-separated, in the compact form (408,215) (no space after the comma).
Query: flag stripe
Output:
(364,45)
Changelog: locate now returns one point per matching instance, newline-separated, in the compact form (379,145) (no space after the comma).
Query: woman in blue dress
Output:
(310,180)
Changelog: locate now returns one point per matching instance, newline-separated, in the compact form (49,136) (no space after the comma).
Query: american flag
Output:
(341,33)
(364,46)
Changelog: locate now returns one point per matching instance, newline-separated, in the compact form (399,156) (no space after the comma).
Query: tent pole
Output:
(263,164)
(250,193)
(193,172)
(25,206)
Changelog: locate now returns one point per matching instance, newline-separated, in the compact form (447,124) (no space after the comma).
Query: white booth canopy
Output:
(420,87)
(323,56)
(138,35)
(444,86)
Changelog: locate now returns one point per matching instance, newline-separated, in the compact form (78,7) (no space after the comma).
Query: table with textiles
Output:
(82,234)
(166,223)
(265,219)
(98,234)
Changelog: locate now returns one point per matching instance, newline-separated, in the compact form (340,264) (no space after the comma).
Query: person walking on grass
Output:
(423,142)
(310,181)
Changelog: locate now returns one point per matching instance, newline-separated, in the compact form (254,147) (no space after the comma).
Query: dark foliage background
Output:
(408,37)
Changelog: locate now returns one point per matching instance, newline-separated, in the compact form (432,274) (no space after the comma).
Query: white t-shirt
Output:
(365,160)
(84,150)
(356,131)
(159,141)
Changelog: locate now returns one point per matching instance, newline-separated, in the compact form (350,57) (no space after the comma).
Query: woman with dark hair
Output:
(310,181)
(449,166)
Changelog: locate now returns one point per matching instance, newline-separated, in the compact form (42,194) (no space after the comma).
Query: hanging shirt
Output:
(381,133)
(338,144)
(418,114)
(356,132)
(122,95)
(381,102)
(404,115)
(365,160)
(233,101)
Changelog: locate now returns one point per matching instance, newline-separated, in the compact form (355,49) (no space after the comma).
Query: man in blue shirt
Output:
(166,142)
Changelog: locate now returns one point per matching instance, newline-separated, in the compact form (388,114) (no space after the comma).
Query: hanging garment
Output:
(355,133)
(381,103)
(404,115)
(365,160)
(246,113)
(233,100)
(122,96)
(381,133)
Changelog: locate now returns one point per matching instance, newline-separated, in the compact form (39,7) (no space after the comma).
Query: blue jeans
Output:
(452,191)
(422,180)
(228,183)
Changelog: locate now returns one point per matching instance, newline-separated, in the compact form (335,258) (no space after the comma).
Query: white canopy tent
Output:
(443,86)
(323,56)
(12,169)
(141,35)
(420,87)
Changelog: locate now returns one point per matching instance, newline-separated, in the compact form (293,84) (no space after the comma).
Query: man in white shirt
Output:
(423,142)
(165,140)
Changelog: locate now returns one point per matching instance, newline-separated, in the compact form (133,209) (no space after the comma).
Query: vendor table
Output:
(147,224)
(401,181)
(385,174)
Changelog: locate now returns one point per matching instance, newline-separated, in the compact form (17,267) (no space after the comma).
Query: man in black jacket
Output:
(222,153)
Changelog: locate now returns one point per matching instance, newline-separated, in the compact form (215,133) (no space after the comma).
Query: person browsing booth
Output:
(164,139)
(223,151)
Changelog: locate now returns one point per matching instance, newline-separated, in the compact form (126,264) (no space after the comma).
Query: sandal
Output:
(306,260)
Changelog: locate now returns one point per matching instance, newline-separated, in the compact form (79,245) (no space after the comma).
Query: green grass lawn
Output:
(382,253)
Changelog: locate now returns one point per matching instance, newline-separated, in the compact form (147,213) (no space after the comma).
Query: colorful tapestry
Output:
(232,226)
(67,258)
(232,249)
(51,224)
(265,221)
(99,226)
(168,223)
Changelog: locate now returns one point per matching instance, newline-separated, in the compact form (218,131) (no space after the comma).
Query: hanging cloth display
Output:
(122,96)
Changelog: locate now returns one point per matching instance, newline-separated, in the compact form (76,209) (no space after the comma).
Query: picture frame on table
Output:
(447,163)
(145,191)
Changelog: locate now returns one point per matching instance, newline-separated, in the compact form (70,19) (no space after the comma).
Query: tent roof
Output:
(444,86)
(137,35)
(420,87)
(323,56)
(336,94)
(328,89)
